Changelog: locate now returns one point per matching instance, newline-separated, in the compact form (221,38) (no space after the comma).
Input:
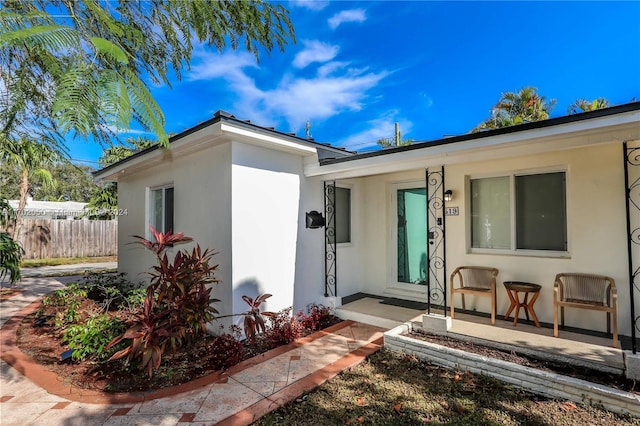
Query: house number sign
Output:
(451,211)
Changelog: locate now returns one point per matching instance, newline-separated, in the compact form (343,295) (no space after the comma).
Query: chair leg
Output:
(555,320)
(562,315)
(464,307)
(615,326)
(453,301)
(609,322)
(493,309)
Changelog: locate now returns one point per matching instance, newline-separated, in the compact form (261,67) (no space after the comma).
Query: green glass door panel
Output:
(412,235)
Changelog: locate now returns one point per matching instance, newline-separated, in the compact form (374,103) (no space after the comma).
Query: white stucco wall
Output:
(202,210)
(265,220)
(596,231)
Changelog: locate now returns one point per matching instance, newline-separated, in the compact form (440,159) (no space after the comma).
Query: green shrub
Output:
(112,290)
(10,255)
(89,339)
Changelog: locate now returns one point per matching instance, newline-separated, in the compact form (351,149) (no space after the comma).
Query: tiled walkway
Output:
(243,394)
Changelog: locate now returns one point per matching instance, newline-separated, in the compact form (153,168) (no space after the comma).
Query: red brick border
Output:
(52,383)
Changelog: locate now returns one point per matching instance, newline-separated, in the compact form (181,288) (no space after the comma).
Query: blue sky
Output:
(434,67)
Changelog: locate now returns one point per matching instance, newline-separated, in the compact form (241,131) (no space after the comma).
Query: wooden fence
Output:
(50,238)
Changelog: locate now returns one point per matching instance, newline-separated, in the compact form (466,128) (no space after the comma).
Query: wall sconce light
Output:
(314,220)
(448,195)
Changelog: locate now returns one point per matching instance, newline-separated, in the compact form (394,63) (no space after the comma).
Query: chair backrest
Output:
(586,288)
(476,276)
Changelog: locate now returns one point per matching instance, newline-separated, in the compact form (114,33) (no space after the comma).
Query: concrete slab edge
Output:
(541,382)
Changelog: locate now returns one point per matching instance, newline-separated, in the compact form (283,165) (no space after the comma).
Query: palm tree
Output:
(31,159)
(513,108)
(583,105)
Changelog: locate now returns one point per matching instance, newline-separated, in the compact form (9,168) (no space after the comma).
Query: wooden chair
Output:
(586,291)
(475,280)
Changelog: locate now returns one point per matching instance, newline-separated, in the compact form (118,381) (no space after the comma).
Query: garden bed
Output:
(206,355)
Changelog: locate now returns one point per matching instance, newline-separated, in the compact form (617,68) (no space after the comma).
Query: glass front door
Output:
(411,235)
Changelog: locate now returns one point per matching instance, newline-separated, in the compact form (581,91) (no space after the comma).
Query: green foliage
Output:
(112,290)
(515,108)
(77,67)
(89,339)
(67,302)
(390,142)
(11,253)
(7,213)
(583,105)
(71,295)
(116,153)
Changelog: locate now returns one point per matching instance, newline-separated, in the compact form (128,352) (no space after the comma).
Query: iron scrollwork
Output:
(436,285)
(632,186)
(330,252)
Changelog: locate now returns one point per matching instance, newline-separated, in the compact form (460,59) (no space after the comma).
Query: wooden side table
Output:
(513,290)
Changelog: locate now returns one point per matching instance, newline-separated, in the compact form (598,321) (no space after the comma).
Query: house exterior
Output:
(62,210)
(532,200)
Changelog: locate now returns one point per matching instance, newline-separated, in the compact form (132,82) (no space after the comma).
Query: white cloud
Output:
(292,100)
(378,128)
(212,65)
(353,15)
(321,97)
(315,51)
(330,67)
(310,4)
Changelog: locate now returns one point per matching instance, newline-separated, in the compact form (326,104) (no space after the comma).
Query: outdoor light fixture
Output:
(314,220)
(448,195)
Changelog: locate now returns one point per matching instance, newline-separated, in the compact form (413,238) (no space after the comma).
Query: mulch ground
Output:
(608,379)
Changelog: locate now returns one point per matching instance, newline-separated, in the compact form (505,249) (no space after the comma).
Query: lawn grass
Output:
(392,389)
(32,263)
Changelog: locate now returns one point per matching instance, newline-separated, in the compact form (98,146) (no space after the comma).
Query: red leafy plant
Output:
(178,304)
(283,328)
(253,318)
(317,317)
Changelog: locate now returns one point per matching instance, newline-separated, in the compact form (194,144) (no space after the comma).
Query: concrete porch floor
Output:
(580,349)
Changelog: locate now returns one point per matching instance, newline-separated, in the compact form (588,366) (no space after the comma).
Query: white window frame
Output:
(512,212)
(149,206)
(350,242)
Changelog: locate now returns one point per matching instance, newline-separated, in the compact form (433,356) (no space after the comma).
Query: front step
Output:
(367,319)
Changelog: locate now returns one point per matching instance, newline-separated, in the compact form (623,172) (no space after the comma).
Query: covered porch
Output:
(578,348)
(530,202)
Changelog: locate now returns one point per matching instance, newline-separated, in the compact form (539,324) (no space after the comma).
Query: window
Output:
(343,215)
(521,212)
(161,209)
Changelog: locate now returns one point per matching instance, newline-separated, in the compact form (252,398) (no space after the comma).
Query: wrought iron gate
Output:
(631,152)
(330,252)
(436,282)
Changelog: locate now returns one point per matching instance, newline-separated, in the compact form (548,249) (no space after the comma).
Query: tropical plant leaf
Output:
(109,49)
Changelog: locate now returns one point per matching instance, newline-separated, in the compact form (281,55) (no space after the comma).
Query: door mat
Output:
(420,306)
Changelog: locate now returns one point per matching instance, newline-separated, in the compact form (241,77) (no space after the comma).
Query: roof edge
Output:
(565,119)
(224,116)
